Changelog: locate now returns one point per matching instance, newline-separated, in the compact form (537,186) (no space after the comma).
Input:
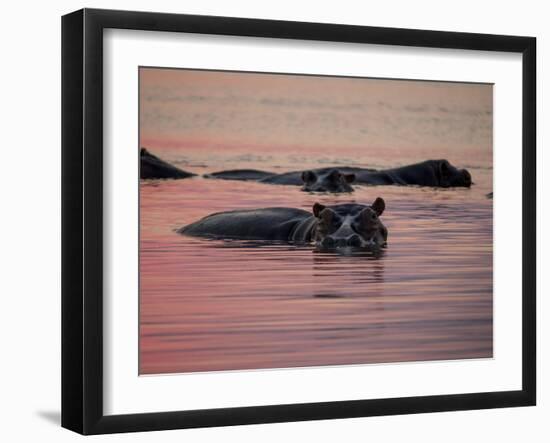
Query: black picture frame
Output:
(82,220)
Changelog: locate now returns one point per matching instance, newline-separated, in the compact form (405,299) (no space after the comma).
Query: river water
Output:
(210,305)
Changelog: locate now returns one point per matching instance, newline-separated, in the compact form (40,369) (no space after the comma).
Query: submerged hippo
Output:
(435,173)
(344,225)
(326,180)
(153,167)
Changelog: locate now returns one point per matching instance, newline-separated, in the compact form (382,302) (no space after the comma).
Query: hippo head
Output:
(350,225)
(449,176)
(329,181)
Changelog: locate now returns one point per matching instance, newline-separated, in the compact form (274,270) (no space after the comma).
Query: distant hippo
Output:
(345,225)
(333,180)
(153,167)
(323,180)
(435,173)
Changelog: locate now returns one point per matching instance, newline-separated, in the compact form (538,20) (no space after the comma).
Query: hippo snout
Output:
(328,242)
(467,178)
(353,240)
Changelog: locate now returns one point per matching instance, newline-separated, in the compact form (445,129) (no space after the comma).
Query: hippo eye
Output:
(369,217)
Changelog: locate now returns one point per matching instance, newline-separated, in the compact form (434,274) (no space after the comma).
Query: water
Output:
(209,305)
(214,305)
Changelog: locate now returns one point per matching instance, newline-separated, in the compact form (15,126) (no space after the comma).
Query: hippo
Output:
(434,173)
(332,180)
(328,227)
(153,167)
(326,180)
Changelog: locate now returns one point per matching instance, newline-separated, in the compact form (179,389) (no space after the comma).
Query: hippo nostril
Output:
(342,242)
(354,240)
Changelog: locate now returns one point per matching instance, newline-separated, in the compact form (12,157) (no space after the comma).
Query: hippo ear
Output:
(143,151)
(334,174)
(379,205)
(317,209)
(308,176)
(350,178)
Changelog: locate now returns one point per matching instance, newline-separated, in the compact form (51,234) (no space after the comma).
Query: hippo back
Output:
(255,224)
(152,167)
(240,174)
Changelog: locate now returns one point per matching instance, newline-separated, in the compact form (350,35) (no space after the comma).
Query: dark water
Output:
(218,305)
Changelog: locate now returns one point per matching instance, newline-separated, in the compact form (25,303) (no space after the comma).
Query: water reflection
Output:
(364,268)
(373,252)
(349,265)
(209,305)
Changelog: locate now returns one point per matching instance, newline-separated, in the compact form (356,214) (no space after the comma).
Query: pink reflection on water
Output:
(214,305)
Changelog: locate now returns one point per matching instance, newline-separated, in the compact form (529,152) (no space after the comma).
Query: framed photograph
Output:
(269,221)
